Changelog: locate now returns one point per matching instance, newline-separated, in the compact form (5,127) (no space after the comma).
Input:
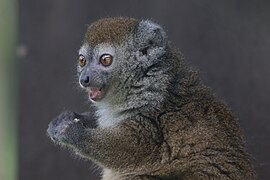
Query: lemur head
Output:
(124,60)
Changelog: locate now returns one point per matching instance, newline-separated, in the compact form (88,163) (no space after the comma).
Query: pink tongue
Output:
(94,93)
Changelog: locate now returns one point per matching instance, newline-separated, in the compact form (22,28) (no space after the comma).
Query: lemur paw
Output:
(66,128)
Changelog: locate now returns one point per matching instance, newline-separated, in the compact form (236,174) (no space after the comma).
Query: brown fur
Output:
(199,139)
(110,30)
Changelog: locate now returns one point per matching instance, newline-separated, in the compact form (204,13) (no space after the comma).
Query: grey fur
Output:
(157,120)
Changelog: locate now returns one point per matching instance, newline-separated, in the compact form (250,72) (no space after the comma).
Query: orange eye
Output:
(82,61)
(106,60)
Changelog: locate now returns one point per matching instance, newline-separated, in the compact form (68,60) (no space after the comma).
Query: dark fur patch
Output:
(110,30)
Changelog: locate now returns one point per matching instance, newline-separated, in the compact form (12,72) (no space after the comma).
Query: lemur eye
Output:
(82,61)
(106,60)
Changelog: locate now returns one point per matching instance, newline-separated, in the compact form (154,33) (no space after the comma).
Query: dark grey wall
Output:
(228,40)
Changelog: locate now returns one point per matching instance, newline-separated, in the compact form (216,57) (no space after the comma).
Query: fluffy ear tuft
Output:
(150,33)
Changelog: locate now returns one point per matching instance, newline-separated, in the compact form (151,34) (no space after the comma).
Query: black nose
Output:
(84,81)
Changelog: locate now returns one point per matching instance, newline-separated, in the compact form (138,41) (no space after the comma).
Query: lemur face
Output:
(101,54)
(94,69)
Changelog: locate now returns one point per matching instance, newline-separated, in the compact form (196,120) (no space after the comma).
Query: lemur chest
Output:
(108,117)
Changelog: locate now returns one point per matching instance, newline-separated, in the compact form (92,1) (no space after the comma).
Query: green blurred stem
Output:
(8,126)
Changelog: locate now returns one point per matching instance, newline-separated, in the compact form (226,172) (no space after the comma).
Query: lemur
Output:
(155,119)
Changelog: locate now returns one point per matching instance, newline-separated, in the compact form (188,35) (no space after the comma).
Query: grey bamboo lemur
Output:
(155,118)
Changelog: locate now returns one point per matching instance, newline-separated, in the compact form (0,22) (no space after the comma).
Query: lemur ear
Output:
(150,33)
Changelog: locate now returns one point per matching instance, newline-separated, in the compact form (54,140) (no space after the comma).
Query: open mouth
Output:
(96,93)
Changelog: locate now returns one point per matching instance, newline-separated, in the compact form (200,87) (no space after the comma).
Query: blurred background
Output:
(228,40)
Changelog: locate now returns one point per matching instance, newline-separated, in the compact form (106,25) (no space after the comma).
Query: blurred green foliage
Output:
(8,128)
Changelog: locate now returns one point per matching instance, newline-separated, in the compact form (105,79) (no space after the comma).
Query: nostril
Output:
(86,80)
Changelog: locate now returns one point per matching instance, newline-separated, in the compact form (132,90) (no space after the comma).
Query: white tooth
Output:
(76,120)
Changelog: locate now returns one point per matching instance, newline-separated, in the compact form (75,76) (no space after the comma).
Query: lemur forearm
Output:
(97,143)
